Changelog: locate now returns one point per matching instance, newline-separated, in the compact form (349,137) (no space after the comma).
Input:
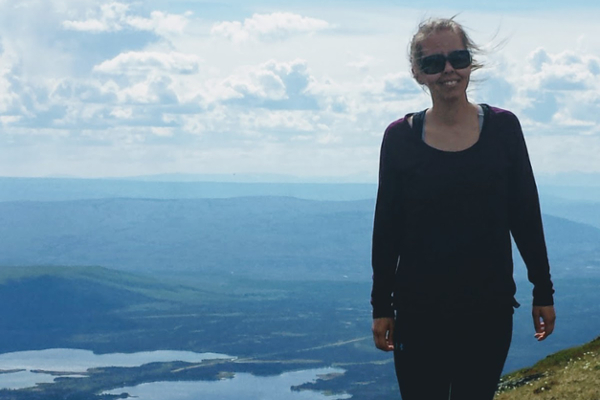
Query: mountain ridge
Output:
(273,236)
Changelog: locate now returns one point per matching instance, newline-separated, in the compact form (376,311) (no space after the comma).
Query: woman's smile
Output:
(450,83)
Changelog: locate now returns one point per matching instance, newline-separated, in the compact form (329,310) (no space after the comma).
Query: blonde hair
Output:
(434,25)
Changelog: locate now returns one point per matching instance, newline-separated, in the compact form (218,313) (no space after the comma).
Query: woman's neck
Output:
(450,113)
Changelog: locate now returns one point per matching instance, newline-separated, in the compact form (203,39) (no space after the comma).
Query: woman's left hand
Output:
(544,318)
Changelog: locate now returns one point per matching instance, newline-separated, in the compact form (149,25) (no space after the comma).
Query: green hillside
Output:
(126,288)
(571,374)
(90,307)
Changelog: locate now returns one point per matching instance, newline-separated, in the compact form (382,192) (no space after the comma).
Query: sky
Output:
(92,88)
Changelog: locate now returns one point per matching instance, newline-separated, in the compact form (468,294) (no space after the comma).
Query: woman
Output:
(455,182)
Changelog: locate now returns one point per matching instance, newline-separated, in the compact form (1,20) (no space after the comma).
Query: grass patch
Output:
(568,374)
(556,360)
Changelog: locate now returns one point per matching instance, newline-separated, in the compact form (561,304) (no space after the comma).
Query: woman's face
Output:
(451,83)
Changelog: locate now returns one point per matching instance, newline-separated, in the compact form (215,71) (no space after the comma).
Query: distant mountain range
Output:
(60,189)
(208,186)
(259,236)
(579,179)
(270,237)
(585,212)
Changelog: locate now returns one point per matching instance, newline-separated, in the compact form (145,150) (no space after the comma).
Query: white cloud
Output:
(92,25)
(566,71)
(161,23)
(162,131)
(538,58)
(260,82)
(9,119)
(562,71)
(144,61)
(155,89)
(247,125)
(278,25)
(363,62)
(400,84)
(556,92)
(9,100)
(122,112)
(280,121)
(81,91)
(110,17)
(274,85)
(559,153)
(114,17)
(152,77)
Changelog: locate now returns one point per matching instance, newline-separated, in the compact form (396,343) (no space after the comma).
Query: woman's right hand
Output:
(383,333)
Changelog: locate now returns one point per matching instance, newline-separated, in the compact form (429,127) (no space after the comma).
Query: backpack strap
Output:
(417,123)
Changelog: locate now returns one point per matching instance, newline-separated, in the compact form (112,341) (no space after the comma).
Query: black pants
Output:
(457,357)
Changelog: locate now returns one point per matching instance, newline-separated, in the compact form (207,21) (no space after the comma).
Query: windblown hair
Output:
(434,25)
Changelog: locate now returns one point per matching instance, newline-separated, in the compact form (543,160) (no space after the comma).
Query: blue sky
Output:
(96,88)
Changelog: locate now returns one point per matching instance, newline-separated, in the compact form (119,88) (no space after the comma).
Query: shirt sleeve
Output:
(385,233)
(525,219)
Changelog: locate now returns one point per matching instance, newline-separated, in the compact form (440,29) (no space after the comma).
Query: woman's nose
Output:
(448,67)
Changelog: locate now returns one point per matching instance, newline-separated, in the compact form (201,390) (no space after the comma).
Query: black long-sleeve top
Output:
(443,221)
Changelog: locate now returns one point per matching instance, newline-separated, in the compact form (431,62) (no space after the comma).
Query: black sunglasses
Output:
(436,63)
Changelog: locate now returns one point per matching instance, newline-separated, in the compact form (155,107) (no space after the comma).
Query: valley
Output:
(280,285)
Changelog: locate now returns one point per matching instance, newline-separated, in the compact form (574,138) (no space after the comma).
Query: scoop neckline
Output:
(417,132)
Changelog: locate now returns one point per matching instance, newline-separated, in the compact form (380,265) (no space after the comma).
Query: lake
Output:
(241,386)
(74,362)
(78,361)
